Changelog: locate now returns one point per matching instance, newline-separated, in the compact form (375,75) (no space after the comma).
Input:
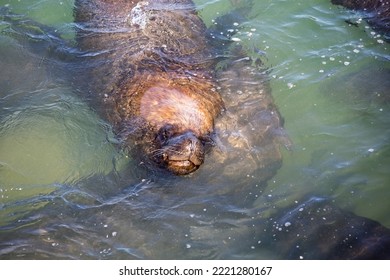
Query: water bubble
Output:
(290,85)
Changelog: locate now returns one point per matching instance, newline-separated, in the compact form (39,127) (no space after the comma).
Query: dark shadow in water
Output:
(370,85)
(376,12)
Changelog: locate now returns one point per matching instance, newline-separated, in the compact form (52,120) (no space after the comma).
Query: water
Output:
(66,191)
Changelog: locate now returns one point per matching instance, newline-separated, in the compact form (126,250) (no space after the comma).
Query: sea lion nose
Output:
(191,149)
(195,150)
(184,153)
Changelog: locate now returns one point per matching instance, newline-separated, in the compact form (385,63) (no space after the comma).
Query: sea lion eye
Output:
(166,133)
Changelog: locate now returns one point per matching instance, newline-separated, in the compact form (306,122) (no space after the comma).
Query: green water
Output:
(340,130)
(339,125)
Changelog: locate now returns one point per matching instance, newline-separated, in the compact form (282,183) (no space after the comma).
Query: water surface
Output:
(67,191)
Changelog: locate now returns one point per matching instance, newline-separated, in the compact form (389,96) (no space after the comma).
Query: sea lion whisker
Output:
(161,151)
(158,152)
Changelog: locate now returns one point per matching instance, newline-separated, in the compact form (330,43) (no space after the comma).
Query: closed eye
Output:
(207,140)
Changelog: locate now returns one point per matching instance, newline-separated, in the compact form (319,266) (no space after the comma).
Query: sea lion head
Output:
(179,114)
(179,152)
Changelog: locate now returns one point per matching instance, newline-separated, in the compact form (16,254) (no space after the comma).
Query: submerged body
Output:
(156,80)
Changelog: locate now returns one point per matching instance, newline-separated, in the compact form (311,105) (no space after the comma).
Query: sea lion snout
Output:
(180,153)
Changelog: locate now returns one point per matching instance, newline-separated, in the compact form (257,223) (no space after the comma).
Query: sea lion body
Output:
(153,75)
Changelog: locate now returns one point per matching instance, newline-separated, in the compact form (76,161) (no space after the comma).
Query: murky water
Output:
(66,191)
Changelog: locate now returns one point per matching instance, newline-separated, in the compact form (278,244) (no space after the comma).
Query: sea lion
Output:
(155,80)
(124,63)
(377,12)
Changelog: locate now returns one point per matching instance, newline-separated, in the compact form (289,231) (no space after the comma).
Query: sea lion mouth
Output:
(182,167)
